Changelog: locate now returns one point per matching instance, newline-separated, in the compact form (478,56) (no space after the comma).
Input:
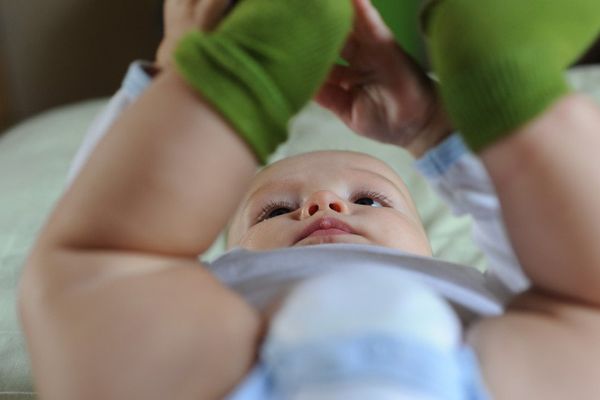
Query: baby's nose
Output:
(324,200)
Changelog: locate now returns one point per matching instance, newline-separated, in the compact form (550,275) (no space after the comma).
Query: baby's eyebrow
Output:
(287,184)
(290,184)
(386,179)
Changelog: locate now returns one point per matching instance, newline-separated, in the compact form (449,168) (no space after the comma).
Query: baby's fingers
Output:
(209,13)
(370,36)
(346,77)
(369,25)
(336,99)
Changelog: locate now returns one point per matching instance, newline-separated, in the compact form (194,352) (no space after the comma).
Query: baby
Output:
(368,195)
(113,281)
(348,320)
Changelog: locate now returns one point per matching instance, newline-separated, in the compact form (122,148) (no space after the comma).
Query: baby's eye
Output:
(275,209)
(277,212)
(367,201)
(371,199)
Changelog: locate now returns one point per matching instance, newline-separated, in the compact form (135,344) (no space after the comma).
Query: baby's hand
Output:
(383,94)
(182,16)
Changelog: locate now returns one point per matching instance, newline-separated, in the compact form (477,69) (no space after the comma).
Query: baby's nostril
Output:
(313,209)
(335,207)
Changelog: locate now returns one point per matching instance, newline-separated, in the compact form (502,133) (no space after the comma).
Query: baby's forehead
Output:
(312,164)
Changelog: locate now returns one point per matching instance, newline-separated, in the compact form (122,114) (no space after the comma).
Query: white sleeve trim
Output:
(460,178)
(136,81)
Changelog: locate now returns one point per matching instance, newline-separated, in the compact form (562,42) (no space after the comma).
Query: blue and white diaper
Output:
(374,333)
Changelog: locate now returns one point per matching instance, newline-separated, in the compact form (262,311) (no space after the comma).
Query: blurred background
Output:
(54,52)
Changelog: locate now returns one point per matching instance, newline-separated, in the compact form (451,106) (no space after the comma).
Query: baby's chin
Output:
(349,239)
(421,248)
(309,241)
(417,248)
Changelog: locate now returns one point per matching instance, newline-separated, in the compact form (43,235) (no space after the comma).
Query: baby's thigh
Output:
(540,349)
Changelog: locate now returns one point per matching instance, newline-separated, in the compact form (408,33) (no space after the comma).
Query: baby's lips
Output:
(325,223)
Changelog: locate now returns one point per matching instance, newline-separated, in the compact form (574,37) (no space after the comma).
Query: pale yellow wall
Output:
(60,51)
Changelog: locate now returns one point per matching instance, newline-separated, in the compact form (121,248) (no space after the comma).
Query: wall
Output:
(4,105)
(54,52)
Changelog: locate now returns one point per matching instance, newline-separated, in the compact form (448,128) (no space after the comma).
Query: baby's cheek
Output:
(266,235)
(408,236)
(251,240)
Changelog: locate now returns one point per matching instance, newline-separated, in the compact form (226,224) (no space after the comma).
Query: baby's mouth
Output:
(328,232)
(326,226)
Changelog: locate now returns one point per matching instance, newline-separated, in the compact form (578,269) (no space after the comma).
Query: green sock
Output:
(502,62)
(264,62)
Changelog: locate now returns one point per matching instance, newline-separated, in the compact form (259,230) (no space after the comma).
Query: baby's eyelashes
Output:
(373,199)
(277,208)
(277,212)
(367,201)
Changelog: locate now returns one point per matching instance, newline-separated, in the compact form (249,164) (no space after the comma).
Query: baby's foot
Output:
(502,62)
(264,62)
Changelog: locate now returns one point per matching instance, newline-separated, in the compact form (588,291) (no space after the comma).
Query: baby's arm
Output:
(507,94)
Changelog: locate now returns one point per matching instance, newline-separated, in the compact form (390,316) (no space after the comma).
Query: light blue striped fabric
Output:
(405,363)
(438,160)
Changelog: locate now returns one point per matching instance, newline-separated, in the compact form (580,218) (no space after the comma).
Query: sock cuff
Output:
(237,87)
(501,63)
(264,62)
(488,101)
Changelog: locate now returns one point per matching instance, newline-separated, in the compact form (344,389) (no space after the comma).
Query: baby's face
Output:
(328,197)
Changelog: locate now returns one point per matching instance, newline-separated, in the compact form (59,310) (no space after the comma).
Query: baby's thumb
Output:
(210,13)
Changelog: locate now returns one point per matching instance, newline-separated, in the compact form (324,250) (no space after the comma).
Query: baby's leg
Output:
(371,334)
(539,144)
(546,175)
(540,141)
(501,63)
